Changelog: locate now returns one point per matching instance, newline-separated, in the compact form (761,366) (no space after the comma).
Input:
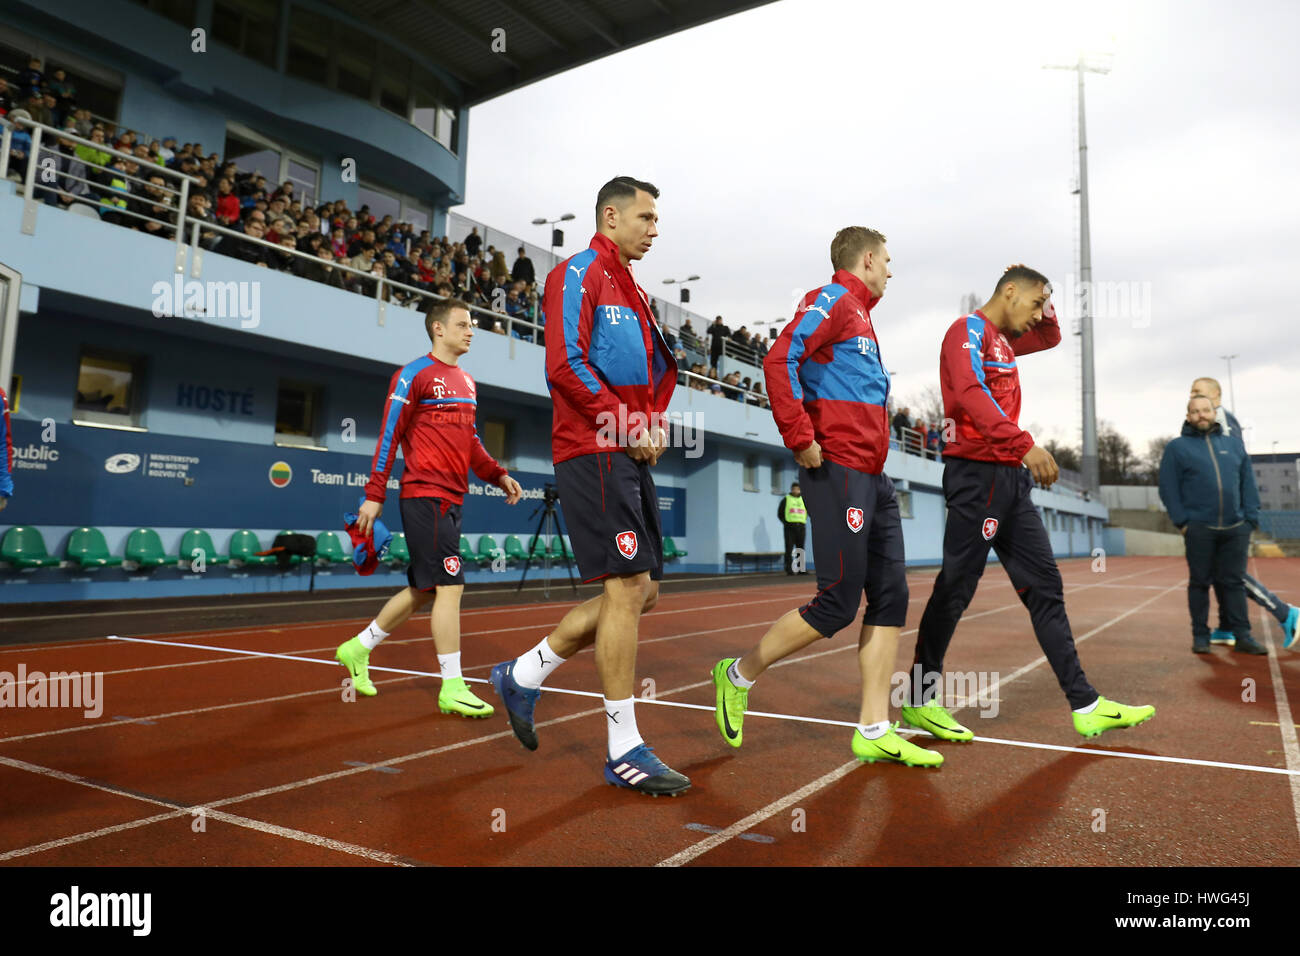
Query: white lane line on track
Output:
(1290,746)
(351,771)
(740,826)
(378,856)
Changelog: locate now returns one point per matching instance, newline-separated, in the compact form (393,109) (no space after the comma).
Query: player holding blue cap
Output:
(430,413)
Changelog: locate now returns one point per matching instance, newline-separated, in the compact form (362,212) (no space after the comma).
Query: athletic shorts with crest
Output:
(432,528)
(611,511)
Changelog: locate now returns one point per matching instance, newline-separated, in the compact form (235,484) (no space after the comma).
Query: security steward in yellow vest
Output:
(794,518)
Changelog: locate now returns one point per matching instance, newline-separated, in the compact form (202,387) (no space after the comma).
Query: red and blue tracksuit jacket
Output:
(603,350)
(430,414)
(825,378)
(981,386)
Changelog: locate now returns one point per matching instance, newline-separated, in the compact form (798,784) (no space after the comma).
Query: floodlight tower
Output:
(1086,64)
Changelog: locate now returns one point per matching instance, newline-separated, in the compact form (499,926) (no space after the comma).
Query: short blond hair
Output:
(1214,384)
(851,242)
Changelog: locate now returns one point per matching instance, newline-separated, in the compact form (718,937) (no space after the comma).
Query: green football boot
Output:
(732,701)
(1108,714)
(456,698)
(895,748)
(354,656)
(935,719)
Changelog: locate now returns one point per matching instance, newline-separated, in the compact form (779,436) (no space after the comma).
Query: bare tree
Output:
(1067,456)
(927,404)
(1116,463)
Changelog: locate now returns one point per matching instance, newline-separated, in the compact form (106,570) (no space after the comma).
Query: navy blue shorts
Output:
(432,529)
(857,544)
(611,509)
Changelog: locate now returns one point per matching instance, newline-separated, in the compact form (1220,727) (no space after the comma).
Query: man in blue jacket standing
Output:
(1287,615)
(1208,486)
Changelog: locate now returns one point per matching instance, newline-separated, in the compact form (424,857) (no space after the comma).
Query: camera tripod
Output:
(550,521)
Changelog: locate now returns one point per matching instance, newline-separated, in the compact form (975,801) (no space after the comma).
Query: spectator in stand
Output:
(200,212)
(6,98)
(688,337)
(718,333)
(761,399)
(31,79)
(523,269)
(746,386)
(113,200)
(85,123)
(227,204)
(39,112)
(286,261)
(72,174)
(902,420)
(932,438)
(499,270)
(473,243)
(250,251)
(364,260)
(916,439)
(365,240)
(89,154)
(168,150)
(338,244)
(159,205)
(331,276)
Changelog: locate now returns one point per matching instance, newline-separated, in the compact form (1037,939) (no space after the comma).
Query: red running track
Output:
(227,756)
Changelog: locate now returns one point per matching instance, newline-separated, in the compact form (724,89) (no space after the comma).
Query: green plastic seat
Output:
(557,551)
(196,539)
(398,552)
(87,548)
(243,547)
(145,548)
(329,550)
(24,547)
(539,547)
(671,550)
(467,555)
(515,548)
(488,550)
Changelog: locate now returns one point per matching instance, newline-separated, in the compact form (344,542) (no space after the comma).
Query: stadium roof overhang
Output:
(542,37)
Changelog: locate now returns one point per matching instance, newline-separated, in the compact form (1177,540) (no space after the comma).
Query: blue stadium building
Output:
(187,375)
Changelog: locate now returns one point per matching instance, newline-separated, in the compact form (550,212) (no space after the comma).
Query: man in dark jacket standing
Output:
(1208,486)
(1287,615)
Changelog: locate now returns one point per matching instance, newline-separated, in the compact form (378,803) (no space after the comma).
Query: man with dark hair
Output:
(987,489)
(473,242)
(523,269)
(1287,615)
(611,375)
(718,334)
(793,516)
(1208,486)
(430,414)
(829,389)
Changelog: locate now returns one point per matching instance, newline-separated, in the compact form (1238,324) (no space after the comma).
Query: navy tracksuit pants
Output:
(1257,593)
(989,506)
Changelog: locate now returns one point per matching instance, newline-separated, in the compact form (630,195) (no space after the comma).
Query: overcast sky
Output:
(936,124)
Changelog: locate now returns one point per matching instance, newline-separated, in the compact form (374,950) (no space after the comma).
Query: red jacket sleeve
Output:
(962,362)
(568,322)
(484,465)
(1045,335)
(808,332)
(397,415)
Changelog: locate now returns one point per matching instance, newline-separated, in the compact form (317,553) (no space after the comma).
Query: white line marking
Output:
(1290,746)
(698,849)
(301,836)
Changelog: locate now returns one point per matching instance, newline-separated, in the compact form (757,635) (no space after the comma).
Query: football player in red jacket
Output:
(990,467)
(430,415)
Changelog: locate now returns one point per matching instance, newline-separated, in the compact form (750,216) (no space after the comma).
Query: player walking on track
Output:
(611,375)
(829,392)
(987,489)
(430,414)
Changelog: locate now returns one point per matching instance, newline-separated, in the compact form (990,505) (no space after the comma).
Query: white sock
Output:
(620,721)
(1089,709)
(535,666)
(733,675)
(372,635)
(449,665)
(874,731)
